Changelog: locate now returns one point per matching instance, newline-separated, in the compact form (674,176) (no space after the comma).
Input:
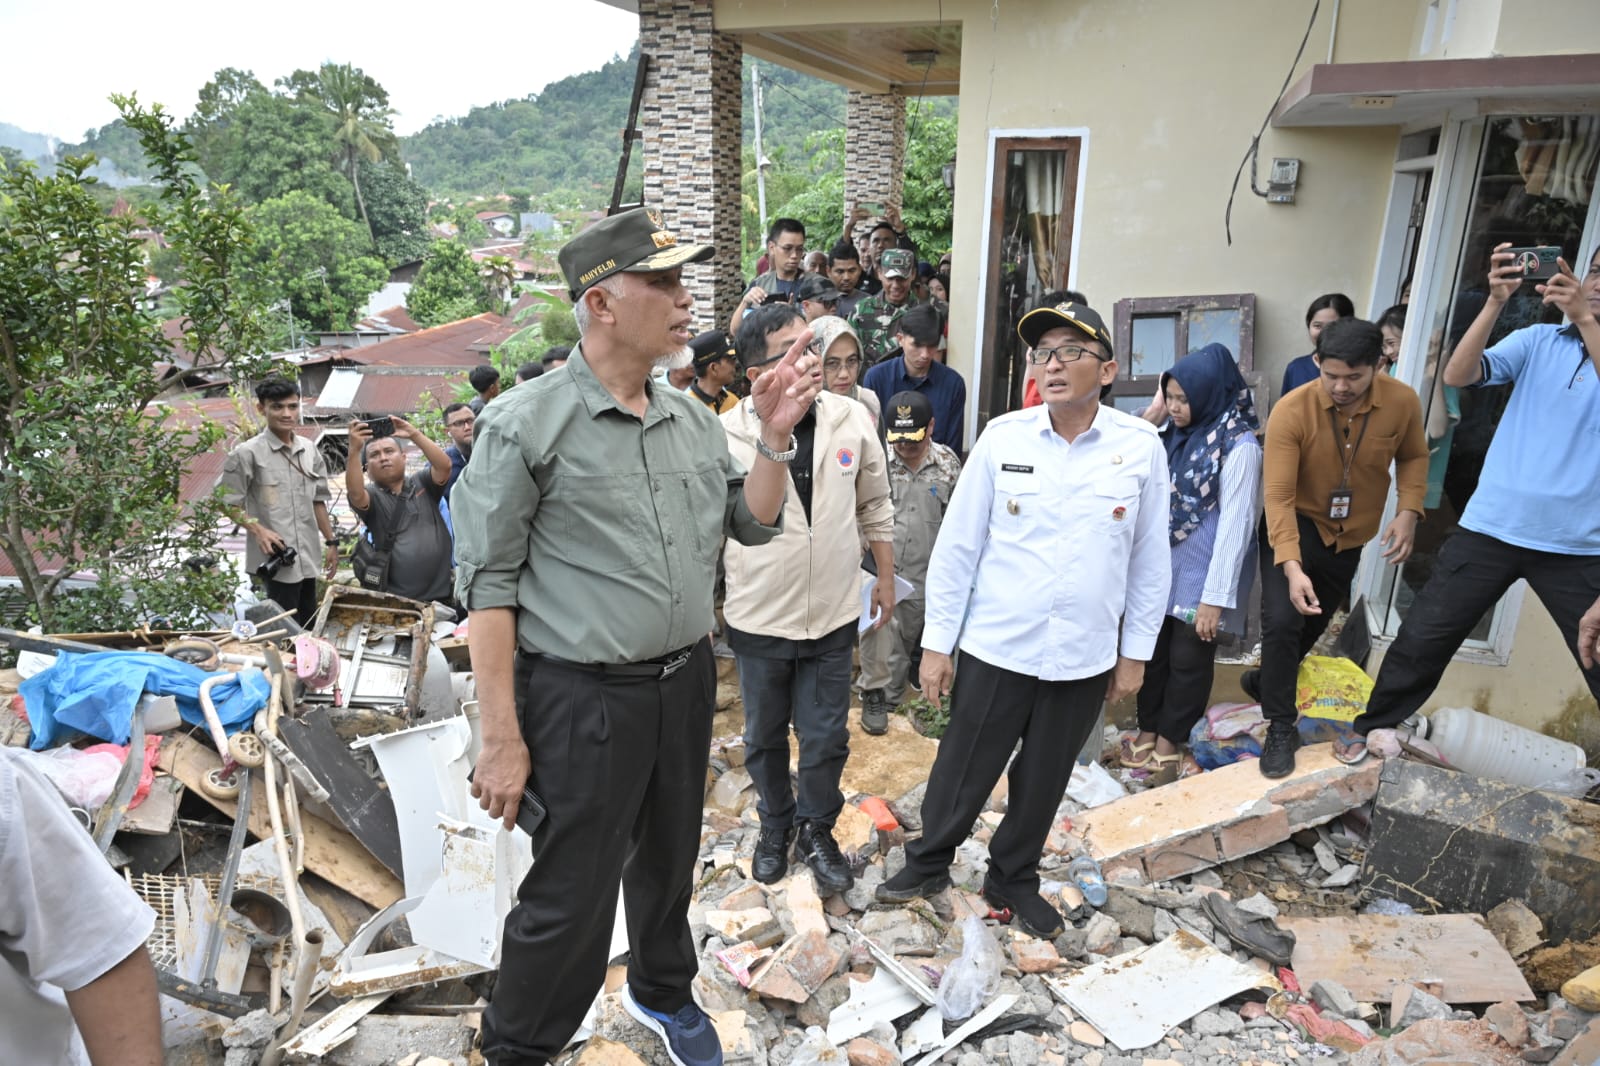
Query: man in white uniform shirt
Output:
(1055,543)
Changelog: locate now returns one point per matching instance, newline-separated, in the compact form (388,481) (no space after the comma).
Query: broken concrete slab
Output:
(382,1039)
(1198,822)
(1136,999)
(1372,954)
(1444,840)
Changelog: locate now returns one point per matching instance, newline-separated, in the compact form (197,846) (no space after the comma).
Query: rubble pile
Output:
(1383,914)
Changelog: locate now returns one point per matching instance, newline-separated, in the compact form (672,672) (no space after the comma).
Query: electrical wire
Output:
(803,102)
(1255,142)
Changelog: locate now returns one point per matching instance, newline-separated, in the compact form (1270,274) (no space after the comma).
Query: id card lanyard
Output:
(1339,499)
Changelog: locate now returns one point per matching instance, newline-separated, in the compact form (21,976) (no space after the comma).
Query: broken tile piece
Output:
(1517,928)
(756,925)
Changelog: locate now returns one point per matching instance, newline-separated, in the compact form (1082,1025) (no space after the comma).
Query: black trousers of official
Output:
(990,710)
(1177,682)
(1286,634)
(297,596)
(1470,575)
(621,766)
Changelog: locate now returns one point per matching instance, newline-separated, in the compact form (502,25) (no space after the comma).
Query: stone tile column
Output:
(874,149)
(690,118)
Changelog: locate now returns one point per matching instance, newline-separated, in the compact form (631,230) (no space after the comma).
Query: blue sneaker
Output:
(689,1035)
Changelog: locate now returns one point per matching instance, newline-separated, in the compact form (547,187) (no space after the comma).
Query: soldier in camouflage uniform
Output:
(922,475)
(876,316)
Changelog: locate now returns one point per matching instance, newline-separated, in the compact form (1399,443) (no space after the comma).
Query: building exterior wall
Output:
(1167,104)
(690,116)
(875,148)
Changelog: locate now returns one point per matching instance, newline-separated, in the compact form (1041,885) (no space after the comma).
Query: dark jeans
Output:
(621,766)
(297,596)
(1286,634)
(990,710)
(811,692)
(1471,574)
(1177,682)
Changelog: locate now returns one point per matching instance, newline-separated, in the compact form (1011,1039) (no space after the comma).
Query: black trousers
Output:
(1472,572)
(990,710)
(1177,682)
(297,596)
(1286,634)
(621,766)
(810,692)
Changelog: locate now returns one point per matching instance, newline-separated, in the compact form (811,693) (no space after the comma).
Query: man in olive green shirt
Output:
(587,529)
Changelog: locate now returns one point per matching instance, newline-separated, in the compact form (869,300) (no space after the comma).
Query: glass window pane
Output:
(1154,345)
(1534,186)
(1216,326)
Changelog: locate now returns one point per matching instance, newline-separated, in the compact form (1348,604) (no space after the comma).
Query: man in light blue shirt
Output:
(1051,572)
(1535,514)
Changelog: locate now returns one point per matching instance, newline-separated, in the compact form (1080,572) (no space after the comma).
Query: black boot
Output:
(1277,754)
(818,850)
(771,860)
(874,712)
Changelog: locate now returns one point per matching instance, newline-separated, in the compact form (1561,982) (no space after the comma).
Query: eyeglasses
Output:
(833,366)
(1069,354)
(460,423)
(791,249)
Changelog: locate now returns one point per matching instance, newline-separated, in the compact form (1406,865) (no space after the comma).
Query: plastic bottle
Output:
(1185,614)
(1488,747)
(1084,872)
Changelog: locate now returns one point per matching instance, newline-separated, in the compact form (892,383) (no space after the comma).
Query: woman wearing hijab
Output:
(835,340)
(1215,461)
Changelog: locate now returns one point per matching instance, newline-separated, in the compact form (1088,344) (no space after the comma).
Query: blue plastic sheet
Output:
(97,693)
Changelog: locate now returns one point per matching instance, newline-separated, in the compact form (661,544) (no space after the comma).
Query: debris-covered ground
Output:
(1417,914)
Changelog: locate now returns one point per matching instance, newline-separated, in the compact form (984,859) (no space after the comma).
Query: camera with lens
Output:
(281,556)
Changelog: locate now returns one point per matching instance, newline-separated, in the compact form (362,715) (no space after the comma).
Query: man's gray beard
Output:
(676,361)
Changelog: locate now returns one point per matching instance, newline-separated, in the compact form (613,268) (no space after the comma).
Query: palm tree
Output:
(361,116)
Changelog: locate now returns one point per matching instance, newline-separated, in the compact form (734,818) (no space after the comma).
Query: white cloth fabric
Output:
(1049,547)
(65,918)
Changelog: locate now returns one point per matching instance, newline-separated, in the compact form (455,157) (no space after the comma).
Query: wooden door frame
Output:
(1073,142)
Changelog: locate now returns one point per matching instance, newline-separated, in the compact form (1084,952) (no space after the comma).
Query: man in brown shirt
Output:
(1326,481)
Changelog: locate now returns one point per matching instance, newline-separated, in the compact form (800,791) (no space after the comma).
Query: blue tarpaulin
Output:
(96,694)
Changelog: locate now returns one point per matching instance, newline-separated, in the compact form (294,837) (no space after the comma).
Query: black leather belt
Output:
(658,669)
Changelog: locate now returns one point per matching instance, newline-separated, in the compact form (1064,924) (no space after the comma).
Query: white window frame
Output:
(1455,168)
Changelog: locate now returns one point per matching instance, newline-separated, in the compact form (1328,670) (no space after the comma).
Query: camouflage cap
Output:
(896,263)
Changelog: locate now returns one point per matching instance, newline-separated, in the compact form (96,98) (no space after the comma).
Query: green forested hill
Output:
(565,141)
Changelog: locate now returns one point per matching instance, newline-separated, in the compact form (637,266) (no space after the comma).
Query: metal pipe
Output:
(308,960)
(219,736)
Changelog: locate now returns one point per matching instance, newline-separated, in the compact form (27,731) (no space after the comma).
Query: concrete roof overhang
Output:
(1398,93)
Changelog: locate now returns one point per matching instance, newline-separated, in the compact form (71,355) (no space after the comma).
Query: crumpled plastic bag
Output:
(970,981)
(816,1050)
(97,693)
(84,778)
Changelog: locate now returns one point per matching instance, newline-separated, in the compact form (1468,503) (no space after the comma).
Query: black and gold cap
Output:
(1042,320)
(635,241)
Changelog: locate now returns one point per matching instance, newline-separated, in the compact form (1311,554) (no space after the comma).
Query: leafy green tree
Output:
(398,208)
(89,478)
(447,287)
(558,325)
(926,206)
(499,277)
(315,258)
(210,126)
(362,124)
(276,145)
(469,231)
(10,158)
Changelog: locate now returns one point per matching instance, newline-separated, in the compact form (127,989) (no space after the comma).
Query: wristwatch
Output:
(779,457)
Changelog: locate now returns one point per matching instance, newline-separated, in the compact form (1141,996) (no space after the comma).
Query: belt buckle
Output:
(676,663)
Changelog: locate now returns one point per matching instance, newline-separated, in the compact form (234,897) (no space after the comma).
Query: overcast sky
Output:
(436,59)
